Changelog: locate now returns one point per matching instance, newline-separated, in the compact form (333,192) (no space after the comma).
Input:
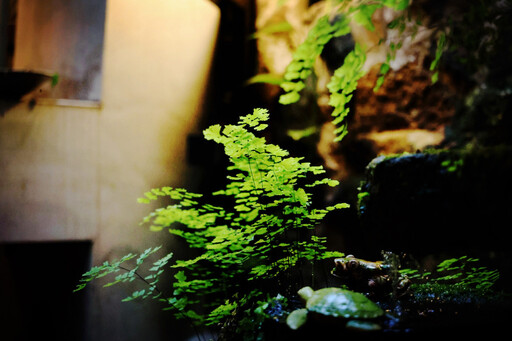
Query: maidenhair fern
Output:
(344,80)
(130,274)
(248,235)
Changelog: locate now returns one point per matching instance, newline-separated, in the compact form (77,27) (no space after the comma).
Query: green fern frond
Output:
(342,85)
(306,54)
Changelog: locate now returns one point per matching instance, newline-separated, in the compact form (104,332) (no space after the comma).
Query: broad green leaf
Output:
(267,78)
(332,254)
(297,318)
(289,98)
(302,196)
(280,27)
(212,133)
(298,134)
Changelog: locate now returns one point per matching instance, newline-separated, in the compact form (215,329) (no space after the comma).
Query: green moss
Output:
(362,198)
(455,279)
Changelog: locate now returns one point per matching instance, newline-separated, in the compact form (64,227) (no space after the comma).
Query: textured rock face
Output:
(407,114)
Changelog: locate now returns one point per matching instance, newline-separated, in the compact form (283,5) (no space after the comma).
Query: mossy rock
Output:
(336,303)
(437,201)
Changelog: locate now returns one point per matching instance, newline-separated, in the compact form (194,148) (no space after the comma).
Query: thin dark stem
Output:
(256,189)
(142,279)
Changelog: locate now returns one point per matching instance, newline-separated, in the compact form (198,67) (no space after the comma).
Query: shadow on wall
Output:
(36,290)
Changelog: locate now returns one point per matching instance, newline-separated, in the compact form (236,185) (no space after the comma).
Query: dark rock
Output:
(439,201)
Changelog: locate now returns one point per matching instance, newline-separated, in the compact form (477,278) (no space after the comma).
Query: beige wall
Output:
(49,174)
(75,173)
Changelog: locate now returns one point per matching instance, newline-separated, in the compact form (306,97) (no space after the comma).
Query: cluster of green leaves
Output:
(345,79)
(306,54)
(342,85)
(441,45)
(247,235)
(129,273)
(460,271)
(454,276)
(453,166)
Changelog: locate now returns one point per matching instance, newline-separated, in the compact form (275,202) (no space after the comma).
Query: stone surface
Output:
(439,201)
